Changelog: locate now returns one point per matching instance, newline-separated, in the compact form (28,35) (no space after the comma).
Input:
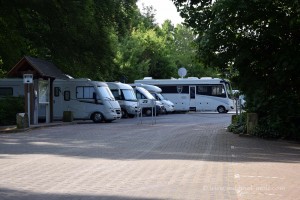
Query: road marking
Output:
(267,177)
(237,176)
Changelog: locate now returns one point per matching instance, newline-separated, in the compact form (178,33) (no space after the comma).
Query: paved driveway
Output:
(182,156)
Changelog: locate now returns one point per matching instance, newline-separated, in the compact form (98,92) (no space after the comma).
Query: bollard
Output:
(22,120)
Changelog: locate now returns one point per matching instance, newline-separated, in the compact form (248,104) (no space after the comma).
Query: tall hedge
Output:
(9,107)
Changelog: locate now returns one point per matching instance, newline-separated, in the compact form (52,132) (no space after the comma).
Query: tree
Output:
(158,51)
(80,37)
(260,40)
(185,52)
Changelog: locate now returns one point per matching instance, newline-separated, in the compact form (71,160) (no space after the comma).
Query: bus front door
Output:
(193,104)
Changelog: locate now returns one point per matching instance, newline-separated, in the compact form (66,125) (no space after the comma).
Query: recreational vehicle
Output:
(126,97)
(147,101)
(11,87)
(85,98)
(156,93)
(195,94)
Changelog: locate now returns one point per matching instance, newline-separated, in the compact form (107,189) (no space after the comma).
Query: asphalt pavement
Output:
(176,156)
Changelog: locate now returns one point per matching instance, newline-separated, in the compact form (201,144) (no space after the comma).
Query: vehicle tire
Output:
(221,109)
(124,113)
(131,115)
(97,117)
(148,112)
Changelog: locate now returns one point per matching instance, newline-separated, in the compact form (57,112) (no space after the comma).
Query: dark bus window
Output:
(6,91)
(211,90)
(174,89)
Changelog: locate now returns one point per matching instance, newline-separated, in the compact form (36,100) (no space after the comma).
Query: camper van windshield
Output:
(129,95)
(105,93)
(146,93)
(160,96)
(229,90)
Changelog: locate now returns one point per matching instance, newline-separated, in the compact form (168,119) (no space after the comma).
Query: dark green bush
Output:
(238,125)
(9,107)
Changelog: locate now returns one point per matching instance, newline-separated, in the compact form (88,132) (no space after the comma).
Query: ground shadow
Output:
(194,141)
(9,194)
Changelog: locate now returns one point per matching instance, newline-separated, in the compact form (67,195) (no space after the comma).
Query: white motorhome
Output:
(148,101)
(196,94)
(156,93)
(85,98)
(126,97)
(11,87)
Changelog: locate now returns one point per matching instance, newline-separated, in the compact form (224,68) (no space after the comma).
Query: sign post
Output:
(28,79)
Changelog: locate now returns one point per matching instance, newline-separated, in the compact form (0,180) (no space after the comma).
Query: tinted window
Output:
(175,89)
(6,91)
(116,94)
(84,92)
(211,90)
(56,91)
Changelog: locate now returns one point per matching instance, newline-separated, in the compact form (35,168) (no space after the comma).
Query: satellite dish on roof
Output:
(182,72)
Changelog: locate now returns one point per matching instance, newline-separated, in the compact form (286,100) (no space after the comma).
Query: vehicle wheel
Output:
(221,109)
(148,112)
(165,111)
(124,114)
(97,117)
(131,115)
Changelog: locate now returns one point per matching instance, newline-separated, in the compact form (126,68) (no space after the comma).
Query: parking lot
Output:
(181,156)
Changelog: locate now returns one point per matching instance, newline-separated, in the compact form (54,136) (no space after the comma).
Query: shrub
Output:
(9,107)
(238,125)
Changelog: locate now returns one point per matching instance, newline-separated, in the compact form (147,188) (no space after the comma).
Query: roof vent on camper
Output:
(70,77)
(147,78)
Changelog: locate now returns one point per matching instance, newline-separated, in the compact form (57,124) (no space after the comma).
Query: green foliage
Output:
(78,36)
(256,44)
(159,51)
(102,40)
(267,128)
(9,107)
(2,72)
(238,125)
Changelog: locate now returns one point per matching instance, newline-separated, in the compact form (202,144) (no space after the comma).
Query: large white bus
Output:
(195,94)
